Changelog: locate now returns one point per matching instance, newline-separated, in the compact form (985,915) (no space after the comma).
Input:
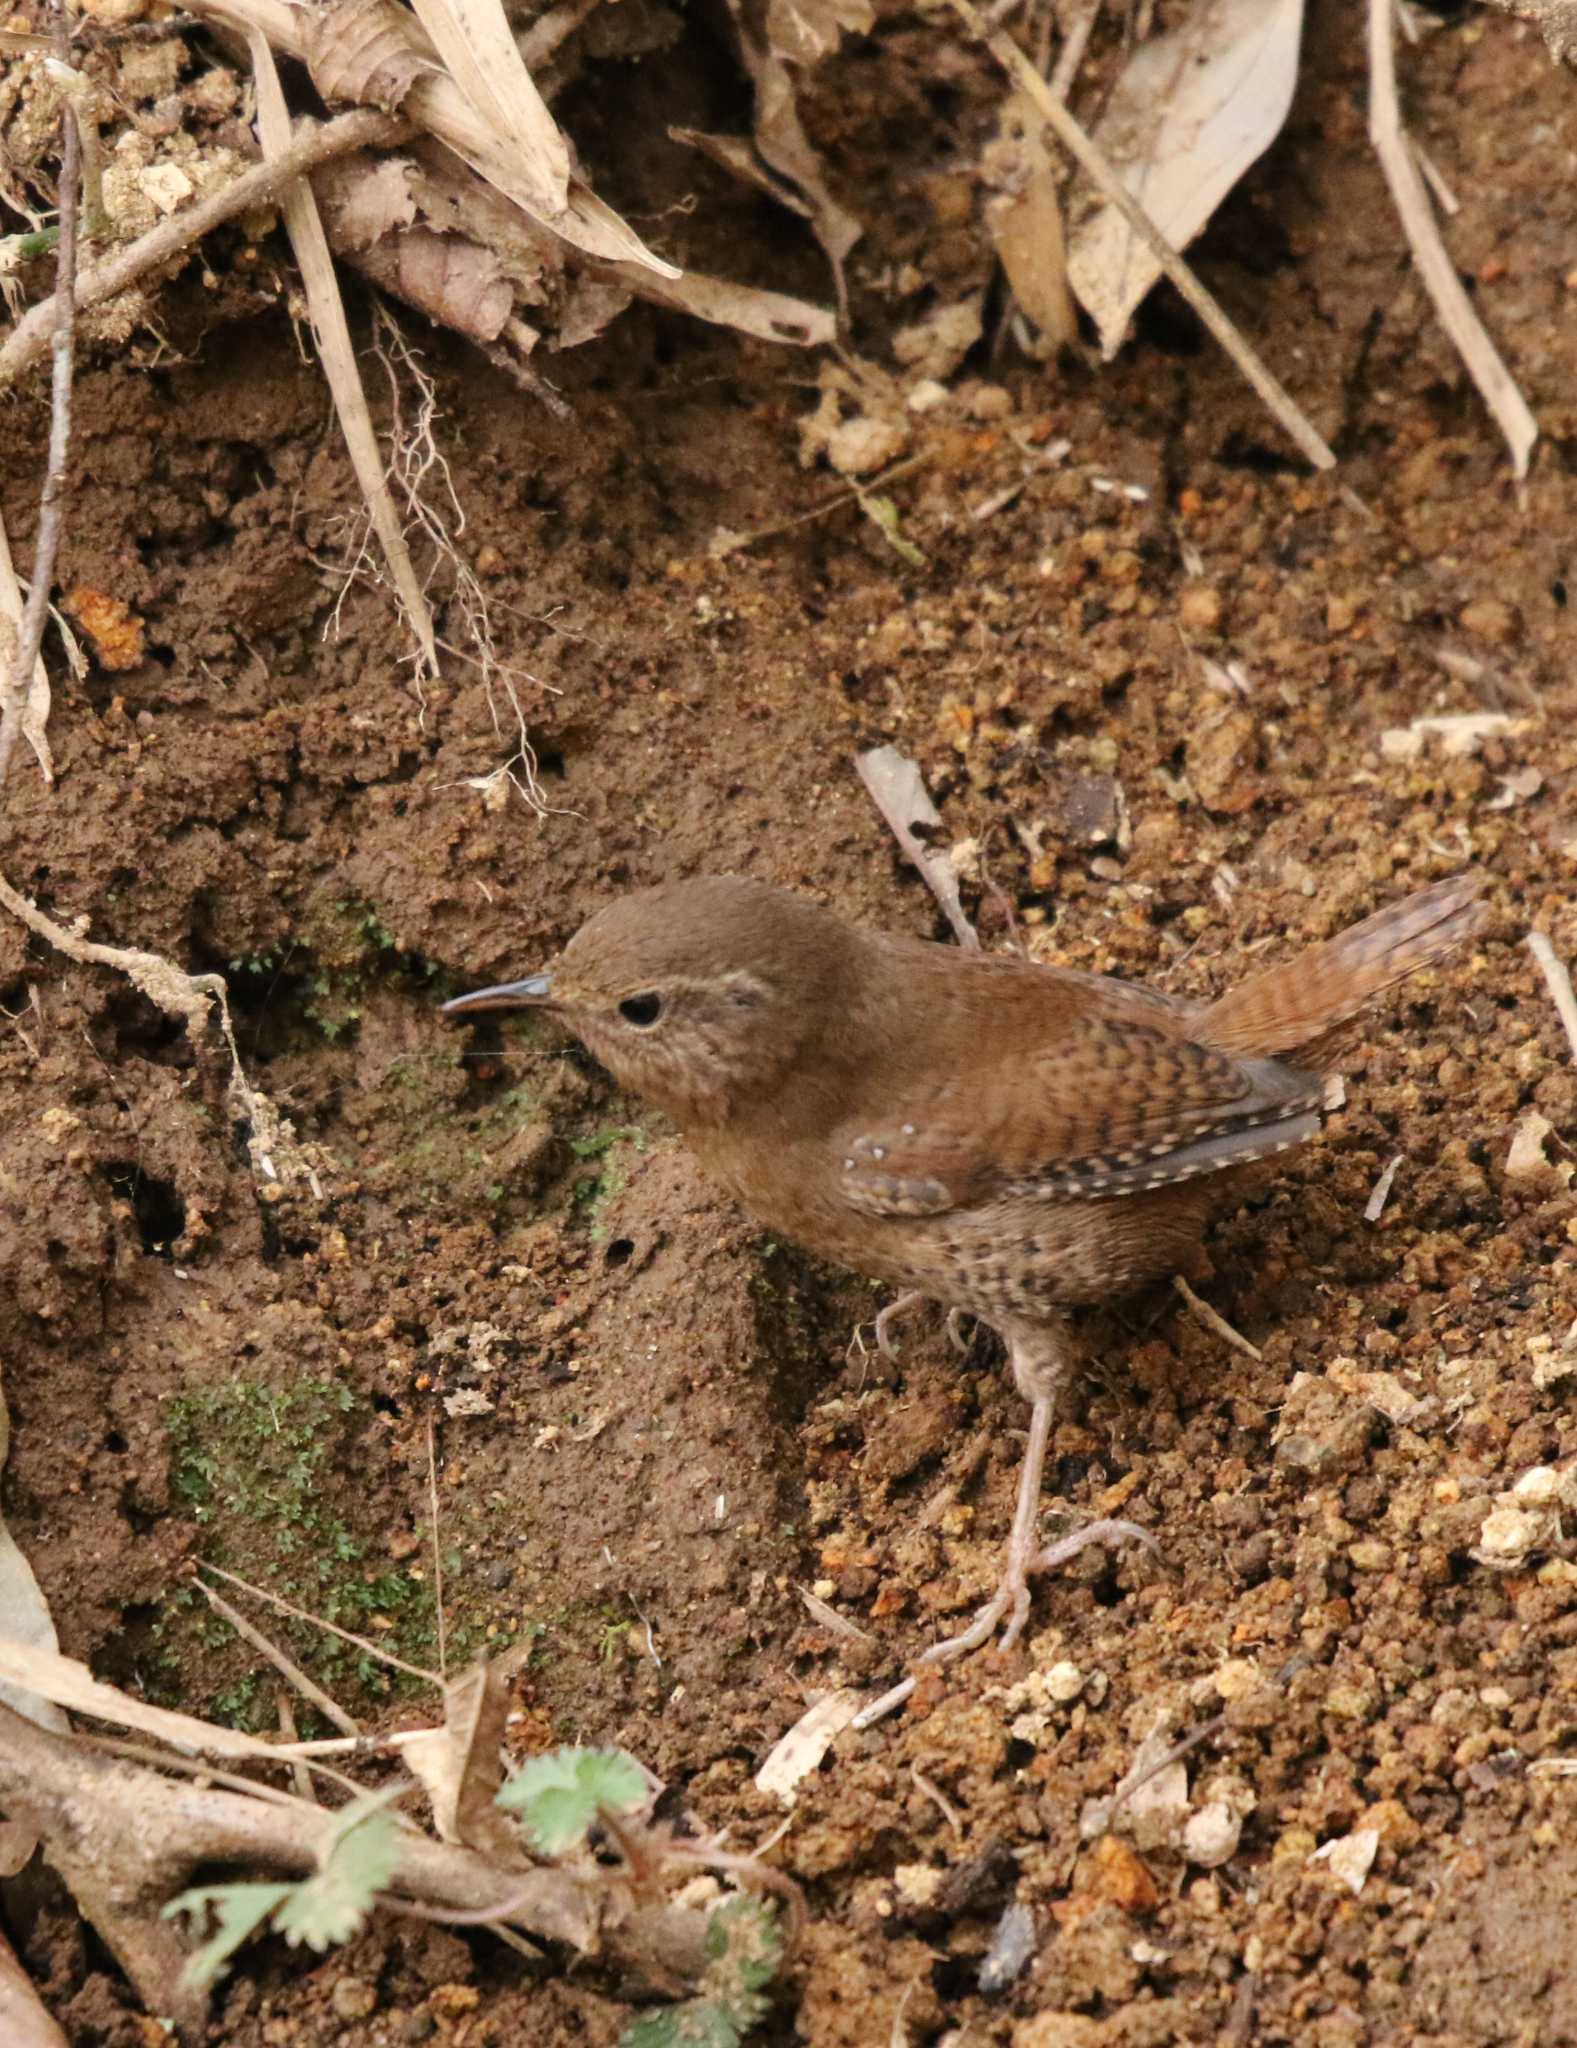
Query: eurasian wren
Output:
(1010,1139)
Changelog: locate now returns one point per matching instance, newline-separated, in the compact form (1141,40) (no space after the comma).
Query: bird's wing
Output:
(1112,1107)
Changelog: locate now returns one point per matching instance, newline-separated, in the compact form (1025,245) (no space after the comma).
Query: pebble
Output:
(353,1998)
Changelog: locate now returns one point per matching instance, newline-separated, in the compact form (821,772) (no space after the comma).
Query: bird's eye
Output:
(641,1011)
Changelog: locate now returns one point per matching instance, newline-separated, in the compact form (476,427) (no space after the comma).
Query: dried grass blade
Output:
(1483,360)
(311,248)
(474,40)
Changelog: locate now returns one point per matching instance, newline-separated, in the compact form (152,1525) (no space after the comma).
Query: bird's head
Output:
(694,994)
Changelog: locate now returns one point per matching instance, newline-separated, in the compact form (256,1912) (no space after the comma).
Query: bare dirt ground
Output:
(670,1432)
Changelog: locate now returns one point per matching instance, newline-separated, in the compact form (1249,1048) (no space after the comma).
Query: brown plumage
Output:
(1013,1140)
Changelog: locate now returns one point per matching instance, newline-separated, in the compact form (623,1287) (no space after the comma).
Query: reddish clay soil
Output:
(652,1429)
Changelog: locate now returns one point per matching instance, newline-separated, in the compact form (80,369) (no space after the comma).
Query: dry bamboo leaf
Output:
(24,1618)
(1024,219)
(73,1686)
(482,57)
(448,197)
(1190,113)
(366,51)
(771,316)
(436,102)
(307,238)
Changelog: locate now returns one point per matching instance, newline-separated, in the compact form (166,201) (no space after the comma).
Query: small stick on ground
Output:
(438,1555)
(1204,1313)
(18,685)
(1380,1193)
(328,1707)
(1452,304)
(363,129)
(296,1613)
(1092,161)
(1559,983)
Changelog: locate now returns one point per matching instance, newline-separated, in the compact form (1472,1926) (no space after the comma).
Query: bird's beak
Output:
(508,995)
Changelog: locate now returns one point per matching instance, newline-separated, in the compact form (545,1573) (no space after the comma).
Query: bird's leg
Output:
(1040,1363)
(902,1305)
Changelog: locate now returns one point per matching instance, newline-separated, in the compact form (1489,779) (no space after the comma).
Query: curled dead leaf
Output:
(366,51)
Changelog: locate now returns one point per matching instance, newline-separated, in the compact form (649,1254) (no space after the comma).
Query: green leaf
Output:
(331,1905)
(744,1947)
(695,2024)
(883,515)
(242,1909)
(558,1796)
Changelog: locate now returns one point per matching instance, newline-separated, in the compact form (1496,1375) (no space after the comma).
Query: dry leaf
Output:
(805,31)
(72,1685)
(1024,219)
(795,1755)
(1190,113)
(369,199)
(740,159)
(784,145)
(900,794)
(461,1766)
(366,51)
(24,1618)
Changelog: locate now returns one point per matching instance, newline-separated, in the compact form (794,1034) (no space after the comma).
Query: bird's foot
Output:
(905,1305)
(895,1311)
(1010,1602)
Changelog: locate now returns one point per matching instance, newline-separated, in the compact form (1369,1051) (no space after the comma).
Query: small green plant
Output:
(558,1796)
(744,1950)
(320,1910)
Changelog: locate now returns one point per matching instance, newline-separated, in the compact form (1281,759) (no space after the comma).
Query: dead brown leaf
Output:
(366,51)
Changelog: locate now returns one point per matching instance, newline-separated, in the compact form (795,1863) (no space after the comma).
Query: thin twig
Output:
(52,499)
(1111,187)
(316,1620)
(1204,1313)
(1559,983)
(364,128)
(1452,304)
(438,1559)
(850,495)
(1071,55)
(328,1707)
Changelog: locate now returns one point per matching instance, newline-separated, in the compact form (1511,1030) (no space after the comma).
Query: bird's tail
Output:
(1291,1007)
